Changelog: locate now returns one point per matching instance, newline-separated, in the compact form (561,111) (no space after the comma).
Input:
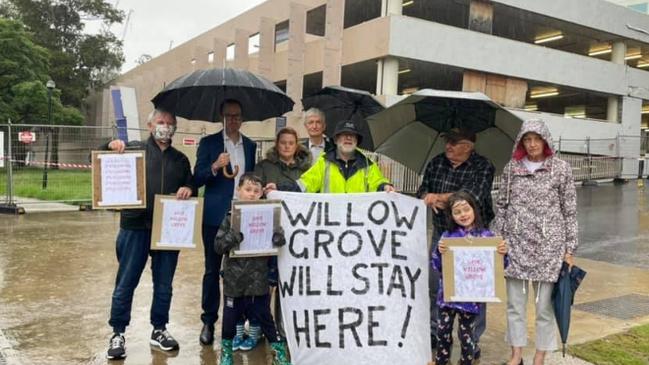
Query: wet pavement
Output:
(57,272)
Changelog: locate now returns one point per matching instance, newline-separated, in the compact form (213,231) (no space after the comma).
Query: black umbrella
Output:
(198,95)
(341,103)
(563,296)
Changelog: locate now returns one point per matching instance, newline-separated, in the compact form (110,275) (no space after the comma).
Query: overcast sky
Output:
(154,24)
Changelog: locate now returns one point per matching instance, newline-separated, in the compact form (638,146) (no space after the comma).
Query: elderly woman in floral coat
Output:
(537,215)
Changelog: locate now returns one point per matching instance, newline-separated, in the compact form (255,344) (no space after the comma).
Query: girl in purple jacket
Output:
(464,221)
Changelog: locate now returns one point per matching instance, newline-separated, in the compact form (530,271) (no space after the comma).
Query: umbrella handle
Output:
(234,173)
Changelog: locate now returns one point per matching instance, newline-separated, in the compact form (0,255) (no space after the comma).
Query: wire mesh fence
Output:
(52,163)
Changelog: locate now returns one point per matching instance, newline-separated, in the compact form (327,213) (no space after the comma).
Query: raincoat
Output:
(331,175)
(536,211)
(242,276)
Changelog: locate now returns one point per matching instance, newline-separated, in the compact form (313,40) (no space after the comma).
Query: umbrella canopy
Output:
(341,103)
(563,295)
(410,130)
(198,95)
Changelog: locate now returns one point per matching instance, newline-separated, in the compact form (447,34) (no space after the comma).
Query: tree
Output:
(22,63)
(23,74)
(79,62)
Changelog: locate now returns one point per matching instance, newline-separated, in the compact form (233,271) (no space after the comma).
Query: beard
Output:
(347,149)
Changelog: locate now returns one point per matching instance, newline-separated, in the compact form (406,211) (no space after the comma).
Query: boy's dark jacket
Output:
(243,276)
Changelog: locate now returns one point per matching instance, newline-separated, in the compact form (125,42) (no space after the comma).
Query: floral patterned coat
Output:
(537,212)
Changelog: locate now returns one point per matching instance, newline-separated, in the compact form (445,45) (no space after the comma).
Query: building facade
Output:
(581,65)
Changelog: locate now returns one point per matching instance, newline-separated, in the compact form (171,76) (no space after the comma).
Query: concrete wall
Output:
(596,14)
(477,51)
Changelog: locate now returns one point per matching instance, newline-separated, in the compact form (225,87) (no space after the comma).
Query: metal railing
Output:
(67,179)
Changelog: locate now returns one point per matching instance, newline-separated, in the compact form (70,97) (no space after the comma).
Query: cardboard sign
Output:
(118,180)
(176,223)
(354,278)
(256,220)
(473,270)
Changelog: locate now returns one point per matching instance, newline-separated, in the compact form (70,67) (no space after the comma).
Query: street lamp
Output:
(50,86)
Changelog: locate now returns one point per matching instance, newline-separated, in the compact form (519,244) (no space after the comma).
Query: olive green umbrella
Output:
(410,131)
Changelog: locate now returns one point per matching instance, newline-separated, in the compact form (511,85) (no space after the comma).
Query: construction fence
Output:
(41,162)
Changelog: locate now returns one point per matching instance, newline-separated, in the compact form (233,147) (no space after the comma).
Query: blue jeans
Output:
(211,297)
(480,324)
(133,250)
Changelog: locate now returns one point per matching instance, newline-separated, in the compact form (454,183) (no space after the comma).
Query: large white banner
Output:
(354,278)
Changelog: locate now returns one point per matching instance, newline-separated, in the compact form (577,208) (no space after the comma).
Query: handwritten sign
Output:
(118,180)
(176,223)
(256,221)
(473,271)
(354,278)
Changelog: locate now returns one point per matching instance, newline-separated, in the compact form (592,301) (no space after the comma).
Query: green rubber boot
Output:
(226,353)
(280,354)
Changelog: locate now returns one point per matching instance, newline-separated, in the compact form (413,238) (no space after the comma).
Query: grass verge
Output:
(62,185)
(628,348)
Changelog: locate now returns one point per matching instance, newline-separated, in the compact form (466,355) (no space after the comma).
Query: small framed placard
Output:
(176,223)
(118,180)
(473,270)
(256,220)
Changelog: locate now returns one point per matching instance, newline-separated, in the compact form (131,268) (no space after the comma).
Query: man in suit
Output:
(315,124)
(220,161)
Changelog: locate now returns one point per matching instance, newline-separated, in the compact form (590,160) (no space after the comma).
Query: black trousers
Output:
(253,307)
(445,336)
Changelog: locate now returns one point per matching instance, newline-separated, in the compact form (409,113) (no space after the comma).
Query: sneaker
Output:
(164,340)
(236,342)
(248,343)
(116,347)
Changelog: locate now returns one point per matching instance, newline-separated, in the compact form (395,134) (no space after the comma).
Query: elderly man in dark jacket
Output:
(167,172)
(459,168)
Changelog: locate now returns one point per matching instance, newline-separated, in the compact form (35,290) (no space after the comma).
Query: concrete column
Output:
(296,48)
(391,7)
(333,51)
(219,47)
(241,40)
(629,143)
(266,47)
(200,58)
(481,14)
(617,56)
(387,76)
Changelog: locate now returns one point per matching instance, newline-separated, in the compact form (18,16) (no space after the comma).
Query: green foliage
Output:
(629,348)
(23,74)
(79,61)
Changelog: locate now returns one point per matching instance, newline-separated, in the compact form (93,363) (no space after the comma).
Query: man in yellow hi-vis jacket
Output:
(341,170)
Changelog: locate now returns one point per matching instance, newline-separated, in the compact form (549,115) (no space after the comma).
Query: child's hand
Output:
(279,239)
(502,248)
(441,247)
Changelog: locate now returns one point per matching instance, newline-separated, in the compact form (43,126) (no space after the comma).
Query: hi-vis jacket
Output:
(332,175)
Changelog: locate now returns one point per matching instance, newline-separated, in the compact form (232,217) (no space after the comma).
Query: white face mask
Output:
(163,132)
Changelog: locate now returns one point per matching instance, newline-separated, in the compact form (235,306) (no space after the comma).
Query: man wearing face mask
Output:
(167,172)
(343,169)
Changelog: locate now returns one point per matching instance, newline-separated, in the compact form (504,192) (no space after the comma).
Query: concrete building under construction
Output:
(581,65)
